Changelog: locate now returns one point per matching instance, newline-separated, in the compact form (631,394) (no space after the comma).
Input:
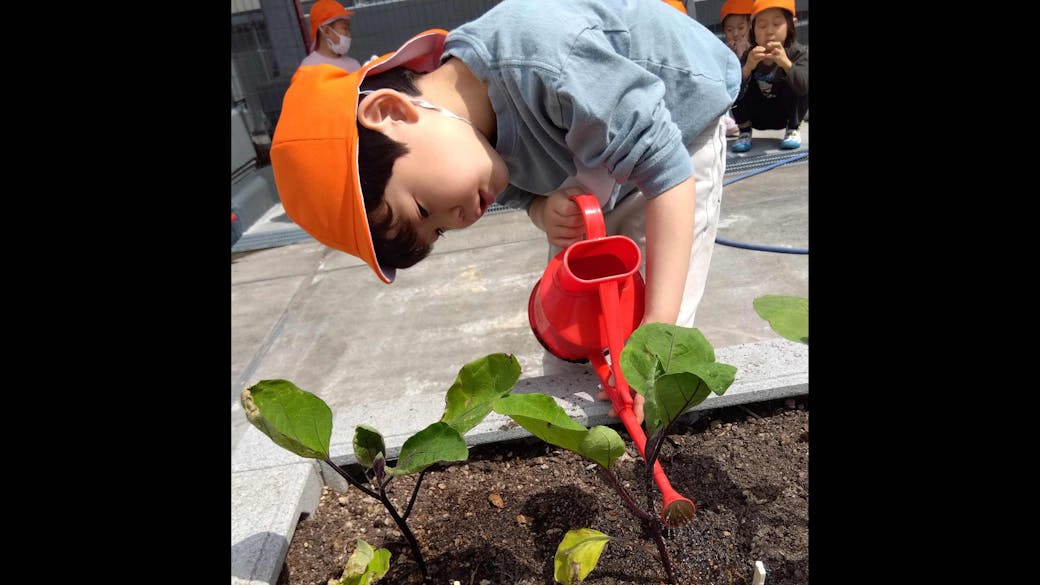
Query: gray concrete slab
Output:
(266,506)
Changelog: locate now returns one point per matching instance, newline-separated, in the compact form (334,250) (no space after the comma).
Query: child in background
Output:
(774,91)
(529,104)
(735,15)
(330,36)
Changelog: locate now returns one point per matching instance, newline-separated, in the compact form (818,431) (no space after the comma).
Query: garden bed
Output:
(498,517)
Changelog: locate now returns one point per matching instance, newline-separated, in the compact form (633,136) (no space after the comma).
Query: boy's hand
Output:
(559,217)
(637,404)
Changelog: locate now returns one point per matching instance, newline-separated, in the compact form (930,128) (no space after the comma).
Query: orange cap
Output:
(315,145)
(676,4)
(760,5)
(735,7)
(324,12)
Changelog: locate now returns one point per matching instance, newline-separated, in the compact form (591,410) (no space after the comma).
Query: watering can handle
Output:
(593,214)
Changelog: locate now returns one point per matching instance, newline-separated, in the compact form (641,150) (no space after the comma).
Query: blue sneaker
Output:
(791,139)
(743,143)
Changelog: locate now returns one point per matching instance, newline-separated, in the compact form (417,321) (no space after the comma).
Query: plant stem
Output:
(403,527)
(648,520)
(626,497)
(415,492)
(351,480)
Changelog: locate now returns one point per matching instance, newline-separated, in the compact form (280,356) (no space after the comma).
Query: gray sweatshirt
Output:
(607,91)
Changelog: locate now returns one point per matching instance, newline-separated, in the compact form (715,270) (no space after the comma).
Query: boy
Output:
(527,105)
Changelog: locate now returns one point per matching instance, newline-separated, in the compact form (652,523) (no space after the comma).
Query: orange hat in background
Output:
(677,4)
(760,5)
(315,146)
(735,7)
(324,12)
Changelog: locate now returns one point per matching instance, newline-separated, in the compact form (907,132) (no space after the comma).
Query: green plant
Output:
(365,565)
(674,368)
(301,422)
(787,315)
(578,554)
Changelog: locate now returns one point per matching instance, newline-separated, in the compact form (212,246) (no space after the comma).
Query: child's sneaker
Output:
(743,143)
(791,139)
(732,130)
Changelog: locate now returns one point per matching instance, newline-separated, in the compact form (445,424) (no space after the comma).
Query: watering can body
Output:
(564,308)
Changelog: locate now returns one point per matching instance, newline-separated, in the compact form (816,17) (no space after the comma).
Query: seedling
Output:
(302,423)
(365,565)
(675,369)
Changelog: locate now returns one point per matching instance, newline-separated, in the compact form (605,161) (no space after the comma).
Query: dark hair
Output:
(792,32)
(396,243)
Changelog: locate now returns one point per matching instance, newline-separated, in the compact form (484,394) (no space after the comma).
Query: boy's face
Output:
(770,25)
(448,178)
(735,27)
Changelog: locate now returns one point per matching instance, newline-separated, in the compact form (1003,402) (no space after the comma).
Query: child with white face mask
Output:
(330,34)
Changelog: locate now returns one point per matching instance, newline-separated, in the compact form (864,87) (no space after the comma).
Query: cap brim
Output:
(316,143)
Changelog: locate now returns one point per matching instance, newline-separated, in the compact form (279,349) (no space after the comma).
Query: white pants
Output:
(628,218)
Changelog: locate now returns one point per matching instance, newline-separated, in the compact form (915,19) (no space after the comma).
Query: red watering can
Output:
(588,302)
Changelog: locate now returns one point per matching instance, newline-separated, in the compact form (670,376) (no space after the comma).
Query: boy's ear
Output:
(383,107)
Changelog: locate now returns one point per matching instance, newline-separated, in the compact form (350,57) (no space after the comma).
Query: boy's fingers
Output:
(559,233)
(637,406)
(563,242)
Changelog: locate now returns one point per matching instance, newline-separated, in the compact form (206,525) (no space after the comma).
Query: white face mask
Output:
(340,48)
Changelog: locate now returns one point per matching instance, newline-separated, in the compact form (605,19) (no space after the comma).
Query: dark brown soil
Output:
(746,468)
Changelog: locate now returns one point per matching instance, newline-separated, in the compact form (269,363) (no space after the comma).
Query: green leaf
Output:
(365,565)
(437,442)
(543,418)
(673,394)
(578,554)
(368,444)
(656,349)
(294,419)
(602,445)
(359,559)
(787,315)
(479,384)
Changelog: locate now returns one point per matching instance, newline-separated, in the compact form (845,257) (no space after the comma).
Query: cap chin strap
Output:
(428,106)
